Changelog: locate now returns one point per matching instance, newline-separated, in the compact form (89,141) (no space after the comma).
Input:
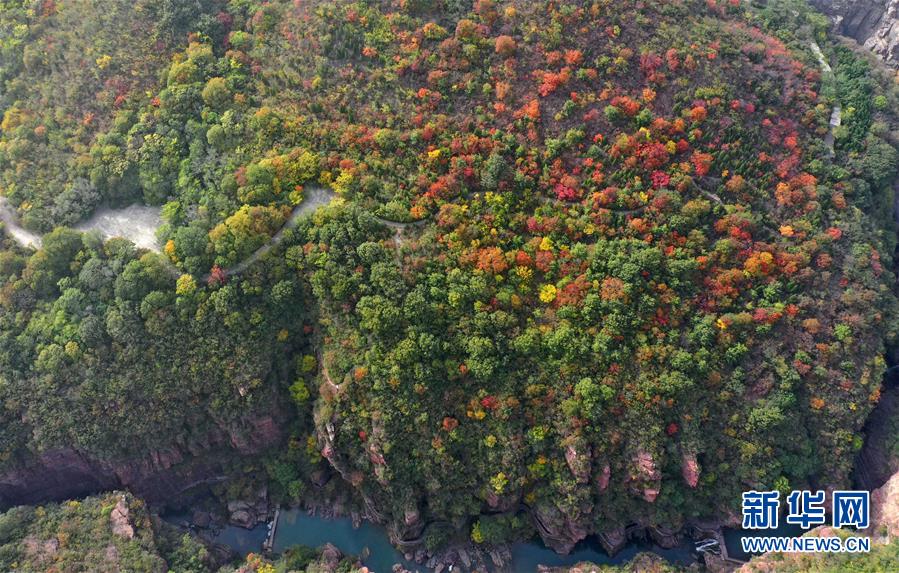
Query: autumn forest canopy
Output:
(605,262)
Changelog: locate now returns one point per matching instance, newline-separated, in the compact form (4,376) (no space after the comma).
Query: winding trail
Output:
(335,388)
(315,197)
(825,67)
(137,223)
(836,115)
(21,235)
(398,230)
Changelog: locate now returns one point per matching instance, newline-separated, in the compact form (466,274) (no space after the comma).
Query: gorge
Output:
(474,272)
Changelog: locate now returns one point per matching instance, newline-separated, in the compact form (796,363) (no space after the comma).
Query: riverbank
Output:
(372,543)
(334,524)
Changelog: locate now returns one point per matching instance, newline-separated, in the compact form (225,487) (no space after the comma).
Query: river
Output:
(297,527)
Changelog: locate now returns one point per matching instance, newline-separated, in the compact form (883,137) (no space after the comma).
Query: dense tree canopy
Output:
(594,259)
(110,533)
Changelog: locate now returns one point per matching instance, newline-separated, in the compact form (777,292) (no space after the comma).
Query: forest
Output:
(590,262)
(116,532)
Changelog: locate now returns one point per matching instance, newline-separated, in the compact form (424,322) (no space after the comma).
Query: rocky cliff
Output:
(159,476)
(877,462)
(873,23)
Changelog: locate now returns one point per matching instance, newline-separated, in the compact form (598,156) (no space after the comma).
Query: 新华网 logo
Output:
(807,509)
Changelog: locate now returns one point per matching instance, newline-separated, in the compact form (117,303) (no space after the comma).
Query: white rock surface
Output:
(872,23)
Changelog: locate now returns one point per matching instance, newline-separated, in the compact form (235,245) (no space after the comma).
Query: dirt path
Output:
(315,197)
(825,67)
(836,115)
(137,223)
(21,235)
(398,234)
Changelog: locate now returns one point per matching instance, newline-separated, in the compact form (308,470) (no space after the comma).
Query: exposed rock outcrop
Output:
(159,476)
(690,469)
(249,513)
(875,464)
(604,477)
(411,527)
(577,455)
(54,475)
(560,531)
(40,552)
(664,536)
(885,508)
(613,540)
(120,520)
(872,23)
(330,558)
(503,503)
(646,477)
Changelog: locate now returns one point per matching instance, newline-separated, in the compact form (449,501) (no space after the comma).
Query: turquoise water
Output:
(299,528)
(243,541)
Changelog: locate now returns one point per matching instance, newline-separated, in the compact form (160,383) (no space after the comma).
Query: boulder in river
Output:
(330,559)
(247,514)
(201,519)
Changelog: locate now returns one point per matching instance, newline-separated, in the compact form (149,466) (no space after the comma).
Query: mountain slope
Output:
(595,262)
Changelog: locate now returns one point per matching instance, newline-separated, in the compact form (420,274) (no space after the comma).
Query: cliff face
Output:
(159,476)
(885,508)
(873,23)
(875,463)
